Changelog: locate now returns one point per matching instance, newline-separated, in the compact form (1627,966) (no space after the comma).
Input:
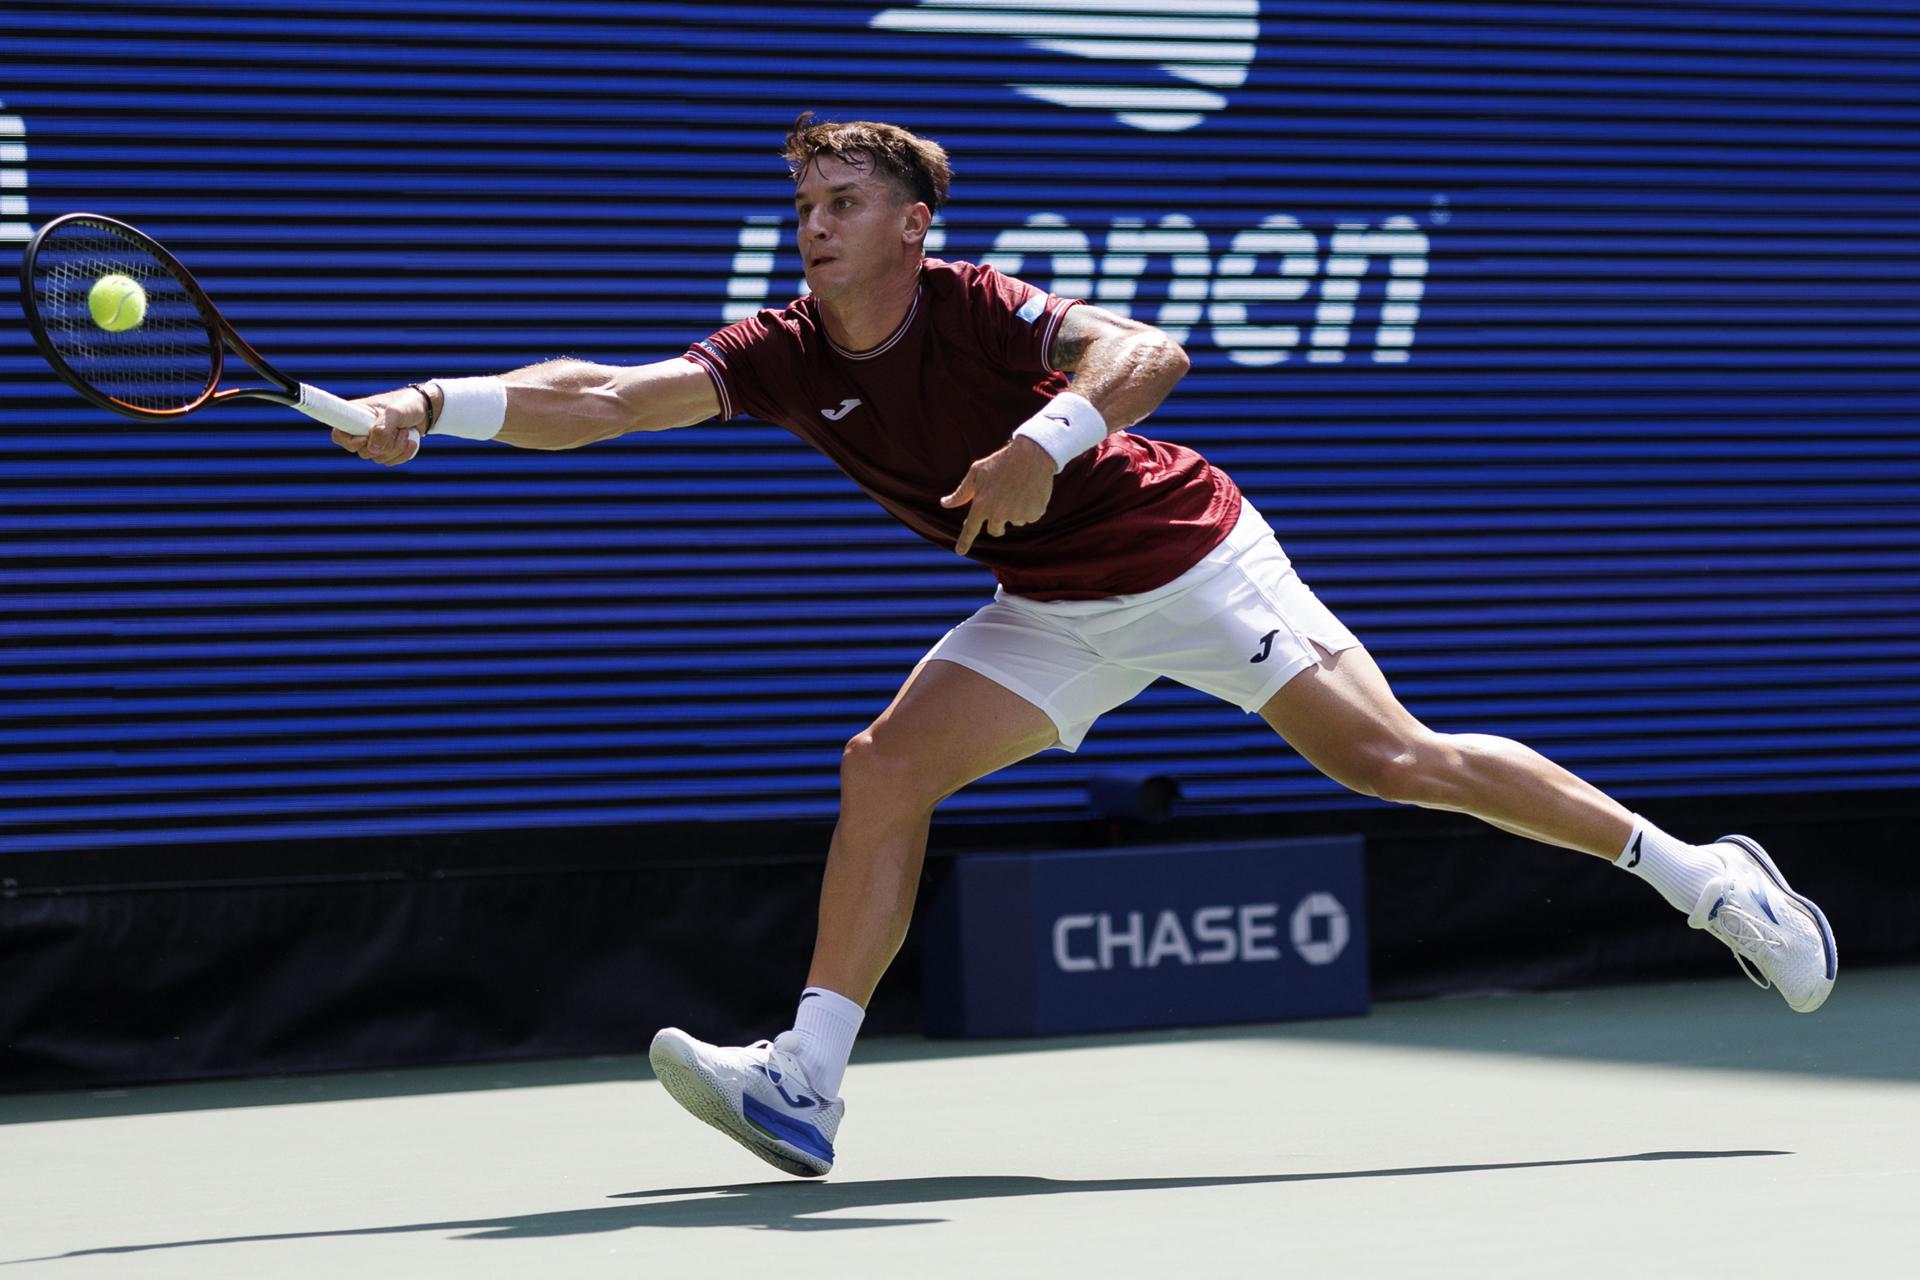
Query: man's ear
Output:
(914,224)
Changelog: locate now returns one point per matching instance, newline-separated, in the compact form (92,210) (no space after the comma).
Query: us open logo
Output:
(1167,63)
(1264,291)
(1263,294)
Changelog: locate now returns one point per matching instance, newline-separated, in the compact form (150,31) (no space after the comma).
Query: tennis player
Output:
(993,418)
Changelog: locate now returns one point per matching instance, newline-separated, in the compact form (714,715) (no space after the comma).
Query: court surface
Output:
(1651,1131)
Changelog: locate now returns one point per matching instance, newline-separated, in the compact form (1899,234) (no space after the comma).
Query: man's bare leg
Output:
(1346,721)
(947,726)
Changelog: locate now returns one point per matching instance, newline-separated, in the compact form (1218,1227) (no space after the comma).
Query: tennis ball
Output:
(117,303)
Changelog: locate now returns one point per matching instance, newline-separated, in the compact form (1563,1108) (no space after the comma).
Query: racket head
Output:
(163,368)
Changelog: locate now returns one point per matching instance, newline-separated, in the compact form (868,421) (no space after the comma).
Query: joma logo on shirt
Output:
(846,407)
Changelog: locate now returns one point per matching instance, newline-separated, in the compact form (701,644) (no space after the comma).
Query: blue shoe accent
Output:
(785,1129)
(802,1100)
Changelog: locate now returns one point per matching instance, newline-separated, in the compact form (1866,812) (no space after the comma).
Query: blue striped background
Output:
(1642,494)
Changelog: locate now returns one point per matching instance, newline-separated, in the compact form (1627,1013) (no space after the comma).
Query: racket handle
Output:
(324,406)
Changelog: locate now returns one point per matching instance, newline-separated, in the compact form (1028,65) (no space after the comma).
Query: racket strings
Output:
(168,361)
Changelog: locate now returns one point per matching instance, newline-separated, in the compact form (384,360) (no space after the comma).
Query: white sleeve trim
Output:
(1046,338)
(715,369)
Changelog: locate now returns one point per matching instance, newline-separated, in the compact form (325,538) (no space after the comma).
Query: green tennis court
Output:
(1651,1130)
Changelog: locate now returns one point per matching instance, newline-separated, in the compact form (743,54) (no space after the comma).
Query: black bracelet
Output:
(427,400)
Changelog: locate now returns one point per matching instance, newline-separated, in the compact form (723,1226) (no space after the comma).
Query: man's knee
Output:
(1417,769)
(877,768)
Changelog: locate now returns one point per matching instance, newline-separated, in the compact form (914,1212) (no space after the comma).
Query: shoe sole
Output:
(702,1097)
(1753,850)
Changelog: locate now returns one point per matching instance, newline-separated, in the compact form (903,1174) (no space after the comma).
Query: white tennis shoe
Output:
(758,1096)
(1779,938)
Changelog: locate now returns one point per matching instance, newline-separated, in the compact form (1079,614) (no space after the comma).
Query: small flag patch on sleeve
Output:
(1030,309)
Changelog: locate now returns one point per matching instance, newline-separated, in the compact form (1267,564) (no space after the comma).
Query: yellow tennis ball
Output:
(117,303)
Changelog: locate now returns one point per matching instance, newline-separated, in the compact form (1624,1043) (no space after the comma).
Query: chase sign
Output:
(1180,935)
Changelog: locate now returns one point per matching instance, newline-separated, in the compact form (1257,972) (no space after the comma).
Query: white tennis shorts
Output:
(1237,625)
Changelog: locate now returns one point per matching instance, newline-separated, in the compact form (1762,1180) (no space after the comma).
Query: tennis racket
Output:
(170,363)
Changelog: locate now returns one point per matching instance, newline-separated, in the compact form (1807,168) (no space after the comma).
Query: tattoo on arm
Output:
(1069,345)
(1124,367)
(1083,326)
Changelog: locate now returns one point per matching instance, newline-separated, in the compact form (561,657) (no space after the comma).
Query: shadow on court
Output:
(800,1206)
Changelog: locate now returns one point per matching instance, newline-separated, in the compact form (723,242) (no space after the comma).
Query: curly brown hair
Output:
(916,166)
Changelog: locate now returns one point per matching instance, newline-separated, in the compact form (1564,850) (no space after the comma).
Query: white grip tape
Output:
(1066,427)
(324,406)
(474,408)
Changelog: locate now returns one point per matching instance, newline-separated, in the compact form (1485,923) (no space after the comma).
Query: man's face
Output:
(854,227)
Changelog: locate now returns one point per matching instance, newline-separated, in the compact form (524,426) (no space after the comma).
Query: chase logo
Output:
(1096,941)
(1170,58)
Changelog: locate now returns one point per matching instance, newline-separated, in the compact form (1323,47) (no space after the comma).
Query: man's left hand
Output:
(1007,488)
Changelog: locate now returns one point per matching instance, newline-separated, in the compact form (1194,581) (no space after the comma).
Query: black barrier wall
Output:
(430,952)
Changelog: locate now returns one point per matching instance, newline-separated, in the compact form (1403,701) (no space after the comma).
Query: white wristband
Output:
(475,408)
(1067,427)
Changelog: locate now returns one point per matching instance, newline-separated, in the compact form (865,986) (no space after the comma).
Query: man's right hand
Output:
(400,419)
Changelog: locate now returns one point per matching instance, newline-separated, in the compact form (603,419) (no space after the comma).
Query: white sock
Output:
(822,1037)
(1680,871)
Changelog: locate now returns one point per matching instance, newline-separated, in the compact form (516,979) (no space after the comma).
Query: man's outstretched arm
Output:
(561,404)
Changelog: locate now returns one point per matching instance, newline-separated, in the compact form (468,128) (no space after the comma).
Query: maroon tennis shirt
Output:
(967,365)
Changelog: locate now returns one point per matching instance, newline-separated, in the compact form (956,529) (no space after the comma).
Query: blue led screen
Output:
(1570,348)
